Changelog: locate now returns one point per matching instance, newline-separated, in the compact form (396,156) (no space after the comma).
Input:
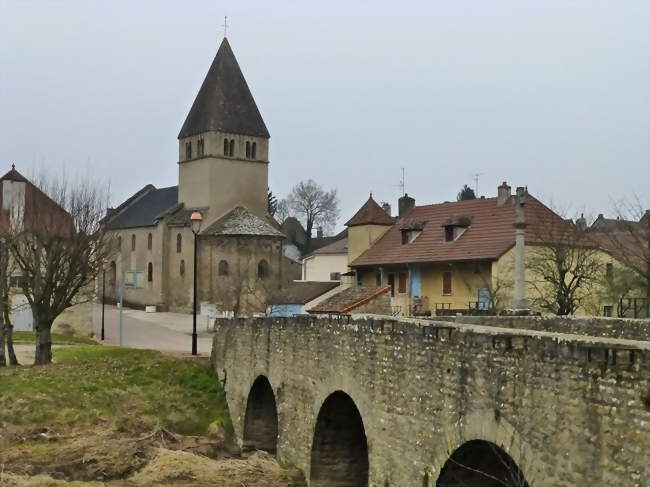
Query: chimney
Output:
(319,232)
(405,204)
(386,207)
(503,193)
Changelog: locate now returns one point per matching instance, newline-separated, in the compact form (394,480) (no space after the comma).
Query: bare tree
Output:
(282,211)
(628,240)
(313,206)
(59,247)
(564,263)
(6,326)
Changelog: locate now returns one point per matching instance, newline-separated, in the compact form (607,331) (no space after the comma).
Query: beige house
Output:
(329,263)
(223,162)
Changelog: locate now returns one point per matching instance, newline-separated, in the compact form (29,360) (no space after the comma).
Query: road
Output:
(169,332)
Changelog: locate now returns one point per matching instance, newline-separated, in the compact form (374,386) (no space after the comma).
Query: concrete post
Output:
(520,301)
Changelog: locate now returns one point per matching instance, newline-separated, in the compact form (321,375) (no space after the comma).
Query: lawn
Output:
(118,388)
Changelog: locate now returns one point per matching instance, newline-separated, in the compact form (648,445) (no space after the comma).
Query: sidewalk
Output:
(170,332)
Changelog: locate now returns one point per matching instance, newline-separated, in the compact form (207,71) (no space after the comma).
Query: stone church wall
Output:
(241,290)
(128,260)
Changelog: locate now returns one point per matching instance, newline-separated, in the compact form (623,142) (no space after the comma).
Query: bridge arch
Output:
(261,420)
(339,453)
(480,463)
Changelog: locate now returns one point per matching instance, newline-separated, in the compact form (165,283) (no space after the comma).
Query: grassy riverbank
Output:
(123,417)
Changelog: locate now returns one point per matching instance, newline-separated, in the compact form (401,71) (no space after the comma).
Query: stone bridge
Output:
(416,403)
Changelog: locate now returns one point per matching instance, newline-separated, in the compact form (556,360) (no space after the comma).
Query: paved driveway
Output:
(169,332)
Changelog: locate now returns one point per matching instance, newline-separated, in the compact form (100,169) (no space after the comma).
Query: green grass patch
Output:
(119,389)
(30,336)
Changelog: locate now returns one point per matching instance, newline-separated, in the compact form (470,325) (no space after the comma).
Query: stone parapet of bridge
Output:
(415,403)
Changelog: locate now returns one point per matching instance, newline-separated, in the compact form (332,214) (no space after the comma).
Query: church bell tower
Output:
(223,145)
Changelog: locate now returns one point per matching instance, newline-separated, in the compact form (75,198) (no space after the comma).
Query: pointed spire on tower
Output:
(224,102)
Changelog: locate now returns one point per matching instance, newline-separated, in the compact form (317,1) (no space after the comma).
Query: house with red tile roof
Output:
(448,257)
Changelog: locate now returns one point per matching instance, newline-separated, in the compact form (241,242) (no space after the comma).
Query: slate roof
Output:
(302,292)
(337,247)
(224,102)
(489,235)
(348,299)
(181,215)
(240,221)
(145,210)
(630,248)
(603,224)
(370,214)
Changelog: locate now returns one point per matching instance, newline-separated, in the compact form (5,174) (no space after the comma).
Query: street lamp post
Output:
(196,218)
(103,296)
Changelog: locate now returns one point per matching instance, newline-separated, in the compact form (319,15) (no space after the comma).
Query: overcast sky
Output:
(549,94)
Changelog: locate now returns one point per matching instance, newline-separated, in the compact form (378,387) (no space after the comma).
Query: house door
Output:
(391,283)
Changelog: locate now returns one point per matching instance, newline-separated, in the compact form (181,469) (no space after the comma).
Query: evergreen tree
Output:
(466,193)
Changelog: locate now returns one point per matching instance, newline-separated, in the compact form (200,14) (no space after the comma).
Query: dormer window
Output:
(200,147)
(410,231)
(188,150)
(409,235)
(455,227)
(449,233)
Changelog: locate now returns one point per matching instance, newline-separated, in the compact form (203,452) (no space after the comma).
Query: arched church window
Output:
(248,149)
(188,150)
(254,150)
(179,243)
(263,269)
(226,147)
(150,272)
(232,147)
(149,242)
(223,268)
(200,147)
(119,242)
(133,242)
(182,267)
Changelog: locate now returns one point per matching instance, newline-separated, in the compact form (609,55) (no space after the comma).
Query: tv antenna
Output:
(402,182)
(476,177)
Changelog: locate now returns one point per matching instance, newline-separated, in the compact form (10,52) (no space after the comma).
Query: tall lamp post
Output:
(196,218)
(103,295)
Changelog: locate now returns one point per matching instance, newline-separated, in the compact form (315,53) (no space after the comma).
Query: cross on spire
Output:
(225,26)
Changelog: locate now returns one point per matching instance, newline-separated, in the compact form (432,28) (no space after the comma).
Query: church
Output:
(223,164)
